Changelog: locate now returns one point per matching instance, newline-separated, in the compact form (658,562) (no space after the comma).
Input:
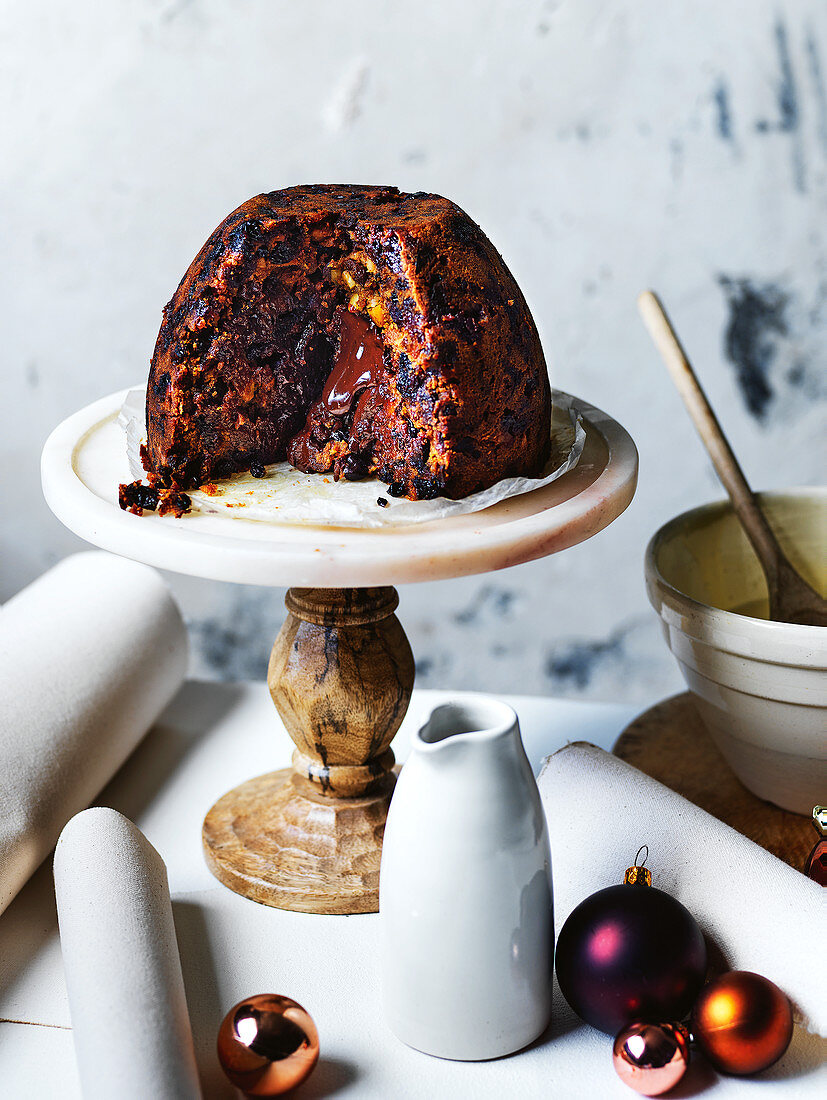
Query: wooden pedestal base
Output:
(277,840)
(309,837)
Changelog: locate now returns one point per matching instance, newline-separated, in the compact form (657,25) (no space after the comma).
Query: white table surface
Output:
(212,737)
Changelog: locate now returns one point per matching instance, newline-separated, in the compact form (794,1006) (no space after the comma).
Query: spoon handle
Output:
(726,464)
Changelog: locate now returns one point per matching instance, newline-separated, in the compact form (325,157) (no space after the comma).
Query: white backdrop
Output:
(604,145)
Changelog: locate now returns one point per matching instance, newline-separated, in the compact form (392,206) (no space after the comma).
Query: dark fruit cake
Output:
(353,330)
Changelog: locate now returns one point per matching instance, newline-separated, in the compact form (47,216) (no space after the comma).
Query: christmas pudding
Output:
(354,331)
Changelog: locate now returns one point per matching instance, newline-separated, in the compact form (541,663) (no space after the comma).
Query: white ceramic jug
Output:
(465,895)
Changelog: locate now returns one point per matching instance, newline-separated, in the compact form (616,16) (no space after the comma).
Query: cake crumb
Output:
(137,497)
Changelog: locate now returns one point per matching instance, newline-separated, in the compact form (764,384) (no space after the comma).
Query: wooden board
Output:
(670,743)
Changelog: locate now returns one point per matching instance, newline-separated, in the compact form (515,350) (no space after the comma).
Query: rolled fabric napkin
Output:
(90,654)
(762,914)
(123,973)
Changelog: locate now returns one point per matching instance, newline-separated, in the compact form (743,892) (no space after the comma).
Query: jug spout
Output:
(472,721)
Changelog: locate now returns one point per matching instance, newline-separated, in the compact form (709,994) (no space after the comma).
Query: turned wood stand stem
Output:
(309,837)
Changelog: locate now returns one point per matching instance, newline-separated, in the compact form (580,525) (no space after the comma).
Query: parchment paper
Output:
(285,495)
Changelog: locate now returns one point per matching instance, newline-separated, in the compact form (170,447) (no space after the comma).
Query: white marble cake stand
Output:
(341,671)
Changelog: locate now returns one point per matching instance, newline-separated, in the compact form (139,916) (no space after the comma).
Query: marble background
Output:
(604,146)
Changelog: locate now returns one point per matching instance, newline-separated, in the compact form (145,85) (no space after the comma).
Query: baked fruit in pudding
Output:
(354,331)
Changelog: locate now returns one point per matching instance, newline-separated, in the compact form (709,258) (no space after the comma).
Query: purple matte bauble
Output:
(630,953)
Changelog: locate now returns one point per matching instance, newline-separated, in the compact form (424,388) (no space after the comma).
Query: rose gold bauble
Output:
(742,1022)
(267,1044)
(816,865)
(651,1058)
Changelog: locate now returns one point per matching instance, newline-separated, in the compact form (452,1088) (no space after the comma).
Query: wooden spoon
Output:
(792,600)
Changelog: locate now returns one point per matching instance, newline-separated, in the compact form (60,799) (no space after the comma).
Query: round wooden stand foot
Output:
(280,842)
(309,837)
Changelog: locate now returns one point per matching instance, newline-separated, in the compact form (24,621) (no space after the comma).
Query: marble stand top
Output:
(84,460)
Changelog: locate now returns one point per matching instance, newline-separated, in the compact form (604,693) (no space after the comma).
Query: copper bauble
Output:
(816,866)
(651,1058)
(267,1044)
(742,1022)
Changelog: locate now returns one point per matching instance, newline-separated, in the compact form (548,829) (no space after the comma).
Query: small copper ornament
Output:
(742,1022)
(267,1044)
(816,866)
(651,1058)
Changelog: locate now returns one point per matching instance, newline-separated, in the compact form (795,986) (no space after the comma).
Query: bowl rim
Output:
(760,630)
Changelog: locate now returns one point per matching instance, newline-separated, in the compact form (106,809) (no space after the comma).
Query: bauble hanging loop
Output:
(639,874)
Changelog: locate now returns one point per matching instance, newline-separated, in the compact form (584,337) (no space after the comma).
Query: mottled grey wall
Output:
(604,146)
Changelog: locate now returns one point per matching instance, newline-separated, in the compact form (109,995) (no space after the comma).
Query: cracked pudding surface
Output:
(352,330)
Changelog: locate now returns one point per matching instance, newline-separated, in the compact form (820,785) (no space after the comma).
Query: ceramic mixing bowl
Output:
(760,686)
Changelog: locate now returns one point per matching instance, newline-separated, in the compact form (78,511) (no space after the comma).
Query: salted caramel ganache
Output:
(353,331)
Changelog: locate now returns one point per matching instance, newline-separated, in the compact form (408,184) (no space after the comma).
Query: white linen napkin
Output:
(123,973)
(762,914)
(90,654)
